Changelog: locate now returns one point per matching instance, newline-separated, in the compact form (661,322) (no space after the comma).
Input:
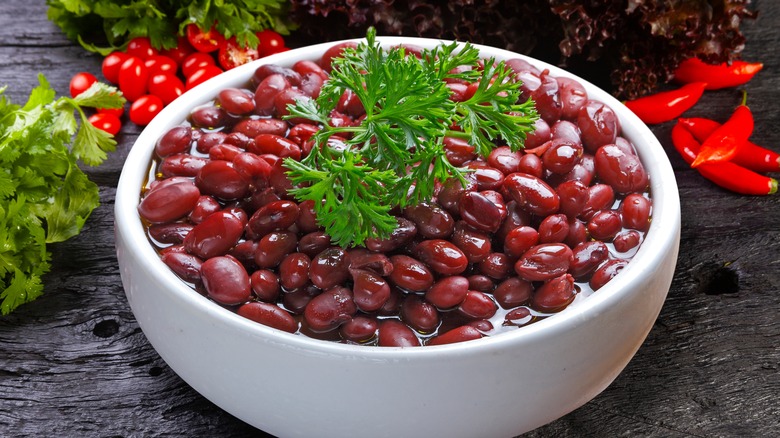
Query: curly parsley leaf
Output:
(395,156)
(44,196)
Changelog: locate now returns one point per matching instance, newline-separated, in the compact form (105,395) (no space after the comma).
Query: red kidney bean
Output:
(314,243)
(600,197)
(513,292)
(573,97)
(448,292)
(177,140)
(307,218)
(531,164)
(186,266)
(532,194)
(561,156)
(504,160)
(209,117)
(272,248)
(458,151)
(546,97)
(419,314)
(221,179)
(496,265)
(577,233)
(519,317)
(301,133)
(604,225)
(540,135)
(606,272)
(488,178)
(457,90)
(250,166)
(474,244)
(554,228)
(225,280)
(350,104)
(277,145)
(624,172)
(482,283)
(477,305)
(442,256)
(236,101)
(208,140)
(214,236)
(566,131)
(237,139)
(515,217)
(370,291)
(451,191)
(181,165)
(224,152)
(288,97)
(296,301)
(518,65)
(403,234)
(294,270)
(169,202)
(359,329)
(279,181)
(573,196)
(554,295)
(480,212)
(265,285)
(330,268)
(244,251)
(635,212)
(266,92)
(304,67)
(599,125)
(277,215)
(376,263)
(254,127)
(586,257)
(520,240)
(626,240)
(394,333)
(330,309)
(205,206)
(170,233)
(265,70)
(431,221)
(270,315)
(544,262)
(393,303)
(459,334)
(410,274)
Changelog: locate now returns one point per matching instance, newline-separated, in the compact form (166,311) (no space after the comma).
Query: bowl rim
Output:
(661,237)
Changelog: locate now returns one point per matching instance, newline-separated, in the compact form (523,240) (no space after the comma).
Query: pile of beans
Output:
(531,232)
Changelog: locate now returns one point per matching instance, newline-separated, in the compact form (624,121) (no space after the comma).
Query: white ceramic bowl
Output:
(289,385)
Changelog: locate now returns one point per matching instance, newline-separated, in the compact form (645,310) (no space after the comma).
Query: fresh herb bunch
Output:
(44,196)
(163,20)
(394,157)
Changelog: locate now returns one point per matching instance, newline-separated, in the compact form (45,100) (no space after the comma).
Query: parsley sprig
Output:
(44,196)
(395,156)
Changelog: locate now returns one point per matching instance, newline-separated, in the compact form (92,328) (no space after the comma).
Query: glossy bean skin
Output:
(270,315)
(477,305)
(294,270)
(171,233)
(276,145)
(176,141)
(626,240)
(169,202)
(221,179)
(635,212)
(330,268)
(370,291)
(410,274)
(314,243)
(403,233)
(251,128)
(377,263)
(573,196)
(267,91)
(273,247)
(554,295)
(573,97)
(623,171)
(599,125)
(205,206)
(208,140)
(475,244)
(606,272)
(459,334)
(448,292)
(442,256)
(520,316)
(544,262)
(226,280)
(554,228)
(561,156)
(330,309)
(431,220)
(604,225)
(359,329)
(214,236)
(520,240)
(586,257)
(394,333)
(532,194)
(265,285)
(496,265)
(480,212)
(600,197)
(277,215)
(540,135)
(186,266)
(236,101)
(513,292)
(181,165)
(419,314)
(504,160)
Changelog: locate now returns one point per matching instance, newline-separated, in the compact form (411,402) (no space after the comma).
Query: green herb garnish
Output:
(44,196)
(396,155)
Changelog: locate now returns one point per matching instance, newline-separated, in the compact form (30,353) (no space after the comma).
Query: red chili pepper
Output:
(666,105)
(726,174)
(716,76)
(723,143)
(750,155)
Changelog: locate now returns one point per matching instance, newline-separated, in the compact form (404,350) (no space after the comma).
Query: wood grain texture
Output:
(75,363)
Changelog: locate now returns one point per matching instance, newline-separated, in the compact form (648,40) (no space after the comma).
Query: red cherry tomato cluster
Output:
(150,79)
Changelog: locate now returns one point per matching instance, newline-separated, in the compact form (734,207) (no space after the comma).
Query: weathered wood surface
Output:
(75,363)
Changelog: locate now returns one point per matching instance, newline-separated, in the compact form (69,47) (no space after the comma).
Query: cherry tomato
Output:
(141,47)
(116,112)
(231,55)
(166,86)
(143,110)
(204,41)
(182,50)
(194,62)
(106,122)
(133,75)
(80,82)
(202,75)
(160,64)
(111,65)
(270,42)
